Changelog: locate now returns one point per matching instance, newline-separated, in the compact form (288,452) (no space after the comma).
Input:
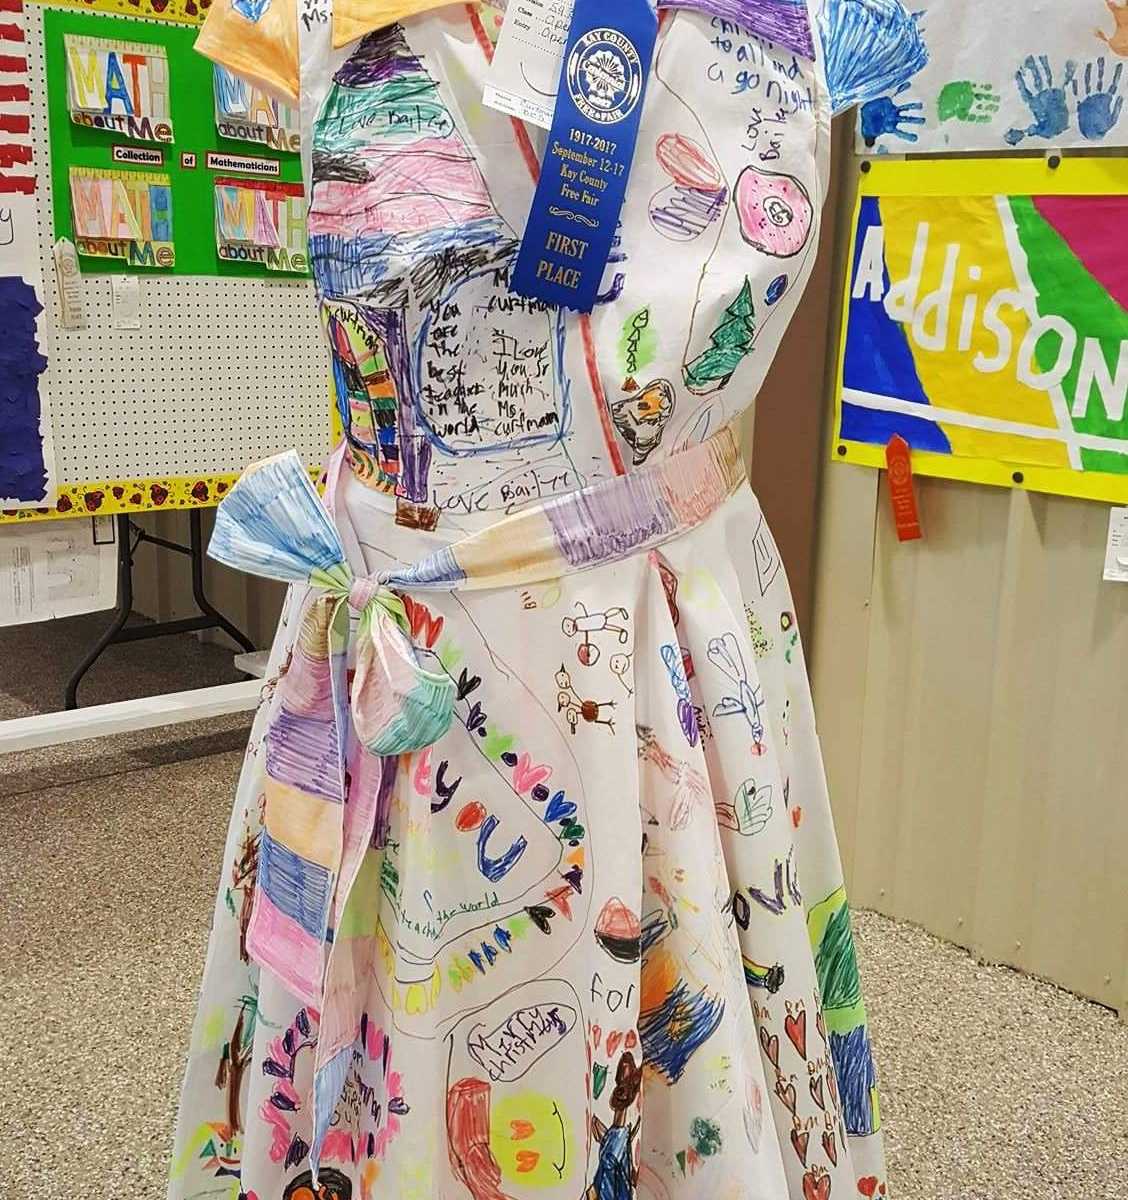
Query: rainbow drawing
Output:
(986,322)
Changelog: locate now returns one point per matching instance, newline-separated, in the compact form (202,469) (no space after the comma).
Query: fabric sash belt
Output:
(325,732)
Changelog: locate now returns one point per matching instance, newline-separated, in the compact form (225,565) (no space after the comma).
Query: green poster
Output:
(116,145)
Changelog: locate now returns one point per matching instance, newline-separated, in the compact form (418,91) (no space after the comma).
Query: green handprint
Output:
(962,100)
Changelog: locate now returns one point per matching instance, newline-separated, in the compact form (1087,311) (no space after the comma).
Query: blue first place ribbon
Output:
(591,145)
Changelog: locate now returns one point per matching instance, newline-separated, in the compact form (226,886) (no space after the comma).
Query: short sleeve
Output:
(871,47)
(257,40)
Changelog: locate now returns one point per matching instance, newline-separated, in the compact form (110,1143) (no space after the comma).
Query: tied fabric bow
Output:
(273,524)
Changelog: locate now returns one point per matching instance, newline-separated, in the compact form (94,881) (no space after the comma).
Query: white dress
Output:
(592,941)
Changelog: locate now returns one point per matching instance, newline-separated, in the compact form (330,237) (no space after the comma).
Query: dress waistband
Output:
(274,524)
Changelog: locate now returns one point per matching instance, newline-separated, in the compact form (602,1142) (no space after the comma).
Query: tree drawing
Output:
(729,344)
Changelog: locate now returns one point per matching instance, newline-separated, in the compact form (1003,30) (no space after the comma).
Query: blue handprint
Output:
(1099,108)
(884,115)
(1046,102)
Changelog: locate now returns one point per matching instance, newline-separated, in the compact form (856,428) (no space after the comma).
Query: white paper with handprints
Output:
(1009,74)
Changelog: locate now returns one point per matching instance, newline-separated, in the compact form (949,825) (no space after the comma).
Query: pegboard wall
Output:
(222,372)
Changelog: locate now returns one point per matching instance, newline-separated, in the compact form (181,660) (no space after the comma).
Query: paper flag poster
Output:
(261,222)
(1028,74)
(990,329)
(27,466)
(123,214)
(247,114)
(121,87)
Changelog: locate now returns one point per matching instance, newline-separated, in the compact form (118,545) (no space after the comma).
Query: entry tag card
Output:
(587,162)
(525,72)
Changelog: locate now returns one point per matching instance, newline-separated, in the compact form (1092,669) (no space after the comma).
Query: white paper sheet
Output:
(126,310)
(525,71)
(55,569)
(1116,549)
(1021,74)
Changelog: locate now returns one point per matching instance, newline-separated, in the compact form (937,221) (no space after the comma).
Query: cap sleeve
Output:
(871,48)
(257,40)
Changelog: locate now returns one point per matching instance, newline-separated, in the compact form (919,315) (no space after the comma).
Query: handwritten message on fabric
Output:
(123,214)
(246,113)
(990,330)
(261,222)
(121,87)
(1030,74)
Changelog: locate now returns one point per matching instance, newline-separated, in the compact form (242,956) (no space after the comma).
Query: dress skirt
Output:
(597,946)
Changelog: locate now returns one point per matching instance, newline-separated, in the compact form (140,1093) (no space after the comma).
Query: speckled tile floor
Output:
(995,1086)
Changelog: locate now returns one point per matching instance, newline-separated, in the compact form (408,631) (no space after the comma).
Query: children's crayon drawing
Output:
(1027,74)
(123,214)
(26,461)
(245,113)
(261,221)
(119,87)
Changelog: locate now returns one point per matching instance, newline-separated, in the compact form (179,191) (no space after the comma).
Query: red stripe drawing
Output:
(24,184)
(11,153)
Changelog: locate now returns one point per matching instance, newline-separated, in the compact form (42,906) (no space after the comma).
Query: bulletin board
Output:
(986,323)
(193,121)
(224,371)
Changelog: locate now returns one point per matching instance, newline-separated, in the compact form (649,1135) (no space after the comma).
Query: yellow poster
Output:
(986,323)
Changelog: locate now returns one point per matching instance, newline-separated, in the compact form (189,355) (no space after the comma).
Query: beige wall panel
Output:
(974,716)
(838,639)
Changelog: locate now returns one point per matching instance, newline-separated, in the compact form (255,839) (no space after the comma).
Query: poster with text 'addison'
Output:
(123,214)
(987,323)
(120,87)
(260,221)
(1025,74)
(248,114)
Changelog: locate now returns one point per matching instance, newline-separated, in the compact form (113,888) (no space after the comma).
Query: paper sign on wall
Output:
(247,114)
(122,87)
(987,323)
(1029,74)
(27,466)
(123,214)
(54,570)
(261,222)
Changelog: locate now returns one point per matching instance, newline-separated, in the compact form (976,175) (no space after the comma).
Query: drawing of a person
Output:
(616,1174)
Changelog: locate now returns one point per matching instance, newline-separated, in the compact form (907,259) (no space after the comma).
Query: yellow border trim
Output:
(108,498)
(980,177)
(1082,485)
(996,176)
(175,12)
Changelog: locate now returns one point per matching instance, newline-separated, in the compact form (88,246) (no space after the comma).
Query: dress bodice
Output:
(462,401)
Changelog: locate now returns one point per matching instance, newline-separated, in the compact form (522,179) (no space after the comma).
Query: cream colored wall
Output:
(972,696)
